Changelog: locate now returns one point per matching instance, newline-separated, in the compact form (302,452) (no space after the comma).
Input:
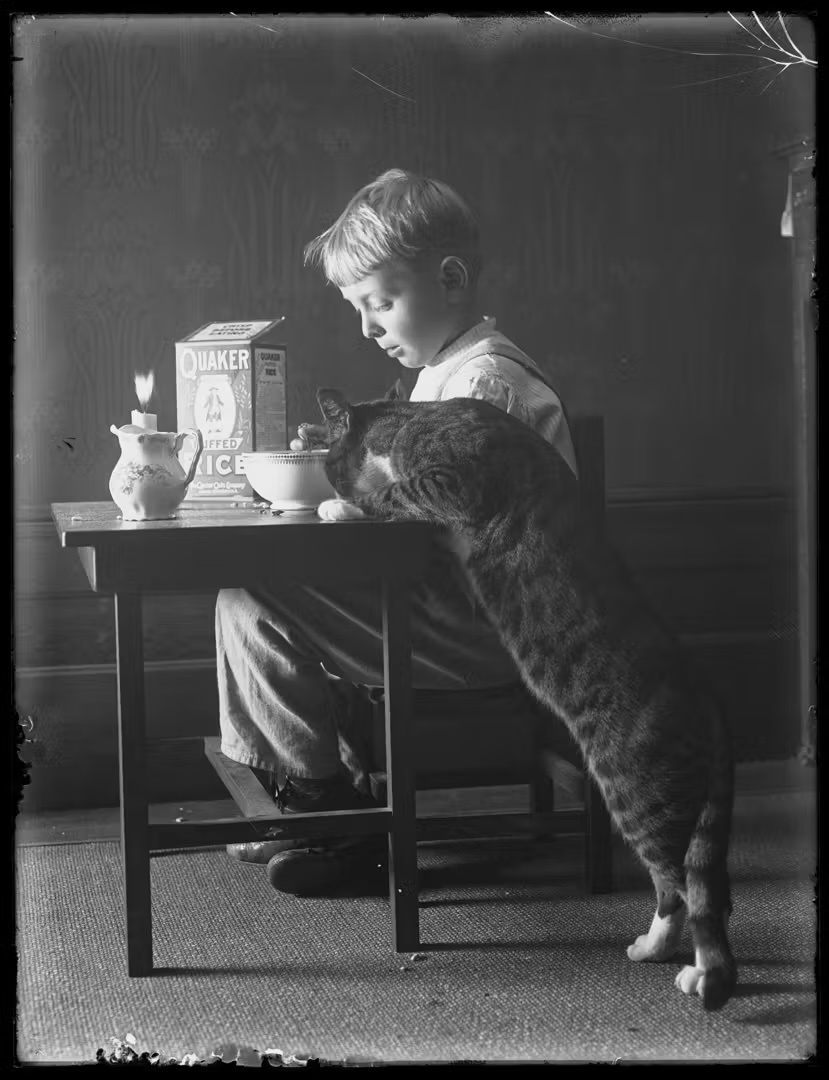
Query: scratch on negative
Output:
(403,96)
(260,25)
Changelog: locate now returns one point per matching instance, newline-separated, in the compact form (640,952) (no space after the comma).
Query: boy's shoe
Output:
(353,867)
(304,797)
(262,851)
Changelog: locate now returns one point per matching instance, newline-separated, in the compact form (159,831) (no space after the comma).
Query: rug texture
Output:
(517,962)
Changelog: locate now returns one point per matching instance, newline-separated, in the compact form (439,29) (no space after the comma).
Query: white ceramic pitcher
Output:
(149,482)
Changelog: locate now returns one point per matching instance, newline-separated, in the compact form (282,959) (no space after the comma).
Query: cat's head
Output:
(358,434)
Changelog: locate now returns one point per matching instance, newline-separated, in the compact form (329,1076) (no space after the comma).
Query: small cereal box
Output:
(230,384)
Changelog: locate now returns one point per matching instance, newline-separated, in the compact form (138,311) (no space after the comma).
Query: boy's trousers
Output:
(289,655)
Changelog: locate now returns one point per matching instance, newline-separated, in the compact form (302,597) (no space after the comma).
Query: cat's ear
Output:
(397,392)
(337,412)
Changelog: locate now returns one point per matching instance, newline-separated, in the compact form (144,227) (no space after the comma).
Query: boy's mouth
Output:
(394,350)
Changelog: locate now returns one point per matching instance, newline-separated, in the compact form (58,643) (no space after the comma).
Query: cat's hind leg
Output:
(713,974)
(662,940)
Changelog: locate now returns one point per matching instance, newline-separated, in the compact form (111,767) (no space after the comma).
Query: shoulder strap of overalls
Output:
(499,346)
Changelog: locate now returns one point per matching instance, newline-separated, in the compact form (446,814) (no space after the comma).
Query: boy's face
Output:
(410,312)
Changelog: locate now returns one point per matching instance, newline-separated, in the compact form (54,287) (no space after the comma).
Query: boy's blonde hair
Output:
(398,216)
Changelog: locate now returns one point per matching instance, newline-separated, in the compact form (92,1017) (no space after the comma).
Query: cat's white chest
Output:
(376,473)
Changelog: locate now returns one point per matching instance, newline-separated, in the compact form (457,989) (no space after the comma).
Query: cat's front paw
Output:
(339,510)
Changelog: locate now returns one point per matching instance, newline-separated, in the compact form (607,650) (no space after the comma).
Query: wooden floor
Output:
(102,824)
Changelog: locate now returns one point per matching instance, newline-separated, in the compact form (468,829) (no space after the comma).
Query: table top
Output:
(85,524)
(227,546)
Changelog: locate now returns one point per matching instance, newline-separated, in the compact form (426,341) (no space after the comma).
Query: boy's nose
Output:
(371,329)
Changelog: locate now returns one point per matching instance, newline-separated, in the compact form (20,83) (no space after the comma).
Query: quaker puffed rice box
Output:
(230,384)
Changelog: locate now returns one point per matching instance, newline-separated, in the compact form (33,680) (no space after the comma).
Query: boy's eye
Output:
(380,307)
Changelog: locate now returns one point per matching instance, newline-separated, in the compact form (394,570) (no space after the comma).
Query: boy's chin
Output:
(409,361)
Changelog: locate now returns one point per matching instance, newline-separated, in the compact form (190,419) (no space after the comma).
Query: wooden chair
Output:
(470,728)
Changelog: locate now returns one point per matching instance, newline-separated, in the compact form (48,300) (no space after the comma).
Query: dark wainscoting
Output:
(721,570)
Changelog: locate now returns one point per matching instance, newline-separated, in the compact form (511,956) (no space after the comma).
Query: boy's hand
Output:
(310,437)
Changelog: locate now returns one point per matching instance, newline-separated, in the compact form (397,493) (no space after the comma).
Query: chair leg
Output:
(599,841)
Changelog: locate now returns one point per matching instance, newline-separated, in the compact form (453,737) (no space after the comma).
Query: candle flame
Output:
(144,389)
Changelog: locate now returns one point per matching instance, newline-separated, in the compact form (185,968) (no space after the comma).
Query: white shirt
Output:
(467,368)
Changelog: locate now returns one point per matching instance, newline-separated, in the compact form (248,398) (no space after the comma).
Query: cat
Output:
(583,638)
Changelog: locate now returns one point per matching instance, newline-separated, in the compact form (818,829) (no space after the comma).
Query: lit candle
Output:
(144,390)
(146,420)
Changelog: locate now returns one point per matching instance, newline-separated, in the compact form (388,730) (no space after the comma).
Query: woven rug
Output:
(517,963)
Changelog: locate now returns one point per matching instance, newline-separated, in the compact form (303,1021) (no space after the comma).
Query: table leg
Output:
(397,662)
(135,851)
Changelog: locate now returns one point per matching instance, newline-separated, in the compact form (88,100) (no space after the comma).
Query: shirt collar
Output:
(460,346)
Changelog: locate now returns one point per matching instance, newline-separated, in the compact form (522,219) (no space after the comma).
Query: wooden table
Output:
(209,549)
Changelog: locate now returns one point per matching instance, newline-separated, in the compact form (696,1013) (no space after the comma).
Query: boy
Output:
(404,253)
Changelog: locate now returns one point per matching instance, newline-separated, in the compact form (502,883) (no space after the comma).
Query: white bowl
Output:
(289,479)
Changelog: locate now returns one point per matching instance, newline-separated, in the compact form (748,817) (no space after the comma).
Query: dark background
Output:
(169,170)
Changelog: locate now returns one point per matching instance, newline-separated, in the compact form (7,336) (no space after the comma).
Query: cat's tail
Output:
(708,895)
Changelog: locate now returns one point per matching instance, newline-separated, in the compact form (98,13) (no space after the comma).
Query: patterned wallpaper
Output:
(168,170)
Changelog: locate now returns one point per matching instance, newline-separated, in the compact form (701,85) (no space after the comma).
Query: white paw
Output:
(661,941)
(338,510)
(690,980)
(643,949)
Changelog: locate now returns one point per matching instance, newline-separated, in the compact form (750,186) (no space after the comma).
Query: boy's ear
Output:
(397,392)
(337,412)
(453,273)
